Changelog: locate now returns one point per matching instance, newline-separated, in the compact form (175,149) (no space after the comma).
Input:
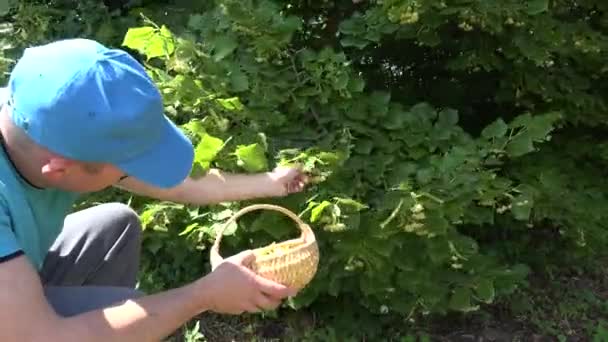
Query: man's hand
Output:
(287,180)
(232,288)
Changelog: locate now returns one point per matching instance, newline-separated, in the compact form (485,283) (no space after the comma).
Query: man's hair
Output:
(24,144)
(19,139)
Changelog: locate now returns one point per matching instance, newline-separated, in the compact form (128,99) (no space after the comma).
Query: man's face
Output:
(79,177)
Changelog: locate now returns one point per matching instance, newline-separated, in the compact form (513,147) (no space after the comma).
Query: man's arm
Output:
(217,186)
(26,316)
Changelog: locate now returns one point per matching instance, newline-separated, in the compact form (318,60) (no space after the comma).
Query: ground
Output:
(568,307)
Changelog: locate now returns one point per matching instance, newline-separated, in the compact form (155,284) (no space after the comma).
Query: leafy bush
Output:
(453,145)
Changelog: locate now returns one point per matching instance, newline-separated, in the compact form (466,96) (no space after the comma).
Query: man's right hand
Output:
(233,288)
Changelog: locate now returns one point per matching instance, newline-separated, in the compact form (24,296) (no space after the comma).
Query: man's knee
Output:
(126,214)
(119,215)
(123,218)
(105,238)
(115,224)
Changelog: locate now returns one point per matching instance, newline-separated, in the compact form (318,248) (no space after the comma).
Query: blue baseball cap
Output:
(87,102)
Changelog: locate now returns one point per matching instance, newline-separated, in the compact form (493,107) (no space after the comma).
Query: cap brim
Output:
(167,164)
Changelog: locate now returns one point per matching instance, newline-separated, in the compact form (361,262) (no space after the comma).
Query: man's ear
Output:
(55,168)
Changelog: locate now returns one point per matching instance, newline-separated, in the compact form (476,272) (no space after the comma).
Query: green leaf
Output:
(537,6)
(252,157)
(448,117)
(522,120)
(150,41)
(423,176)
(435,223)
(188,229)
(154,245)
(540,126)
(196,127)
(349,203)
(495,130)
(423,112)
(521,206)
(353,26)
(553,180)
(520,144)
(149,214)
(404,304)
(137,38)
(354,41)
(401,172)
(601,331)
(231,104)
(336,227)
(197,22)
(273,223)
(479,215)
(507,280)
(485,291)
(364,146)
(239,80)
(395,118)
(317,210)
(229,230)
(438,250)
(461,300)
(5,6)
(379,103)
(357,111)
(429,37)
(341,81)
(223,46)
(207,149)
(356,84)
(463,245)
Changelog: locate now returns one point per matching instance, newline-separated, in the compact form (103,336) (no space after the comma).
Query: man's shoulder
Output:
(10,188)
(14,197)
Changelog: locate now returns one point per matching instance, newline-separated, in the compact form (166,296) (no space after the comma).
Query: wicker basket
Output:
(292,263)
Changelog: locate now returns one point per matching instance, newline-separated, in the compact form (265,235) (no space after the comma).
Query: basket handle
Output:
(215,256)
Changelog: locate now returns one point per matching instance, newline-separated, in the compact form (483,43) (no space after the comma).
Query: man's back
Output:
(30,218)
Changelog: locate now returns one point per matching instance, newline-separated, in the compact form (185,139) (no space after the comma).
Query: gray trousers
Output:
(94,262)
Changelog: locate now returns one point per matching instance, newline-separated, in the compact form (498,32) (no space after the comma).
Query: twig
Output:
(318,120)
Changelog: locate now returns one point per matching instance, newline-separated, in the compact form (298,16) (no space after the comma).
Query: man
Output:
(78,117)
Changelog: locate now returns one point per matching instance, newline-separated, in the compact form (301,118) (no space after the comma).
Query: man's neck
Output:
(22,165)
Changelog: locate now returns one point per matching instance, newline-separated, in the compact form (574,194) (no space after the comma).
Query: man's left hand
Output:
(287,180)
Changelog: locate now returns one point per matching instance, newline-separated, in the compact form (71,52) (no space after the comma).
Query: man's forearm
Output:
(215,187)
(218,186)
(148,318)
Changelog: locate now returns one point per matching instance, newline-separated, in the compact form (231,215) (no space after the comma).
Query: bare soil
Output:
(567,308)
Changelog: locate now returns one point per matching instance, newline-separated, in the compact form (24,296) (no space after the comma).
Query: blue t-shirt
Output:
(30,218)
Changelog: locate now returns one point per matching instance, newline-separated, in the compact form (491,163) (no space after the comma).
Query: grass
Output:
(568,307)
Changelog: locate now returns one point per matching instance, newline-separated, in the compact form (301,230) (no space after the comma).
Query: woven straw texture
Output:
(292,263)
